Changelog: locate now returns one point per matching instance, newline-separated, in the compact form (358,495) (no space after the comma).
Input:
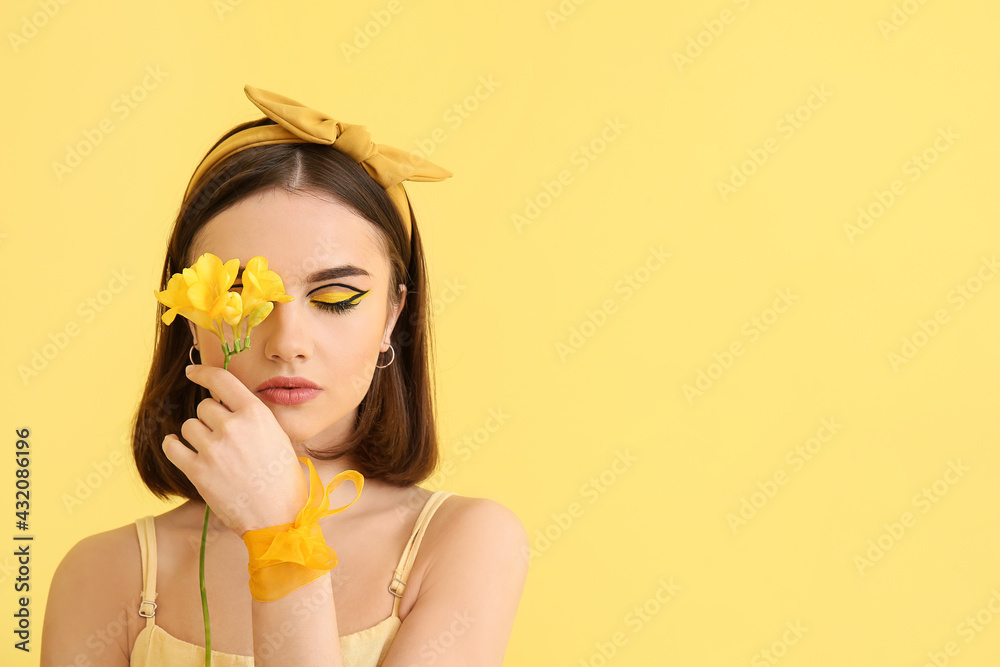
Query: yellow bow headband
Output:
(298,124)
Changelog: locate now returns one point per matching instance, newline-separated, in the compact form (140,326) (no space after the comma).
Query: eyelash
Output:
(337,307)
(340,306)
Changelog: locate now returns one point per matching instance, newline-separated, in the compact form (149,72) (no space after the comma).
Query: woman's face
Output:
(300,235)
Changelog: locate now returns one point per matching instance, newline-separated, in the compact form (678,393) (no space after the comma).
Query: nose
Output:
(283,333)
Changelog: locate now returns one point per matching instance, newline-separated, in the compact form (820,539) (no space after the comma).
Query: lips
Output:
(294,396)
(283,382)
(282,390)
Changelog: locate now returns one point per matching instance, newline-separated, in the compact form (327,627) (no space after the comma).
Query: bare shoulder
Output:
(100,575)
(464,525)
(472,577)
(474,540)
(470,538)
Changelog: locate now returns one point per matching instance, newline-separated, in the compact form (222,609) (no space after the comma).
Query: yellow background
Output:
(512,298)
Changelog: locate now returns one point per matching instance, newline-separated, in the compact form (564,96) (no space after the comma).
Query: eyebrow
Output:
(327,274)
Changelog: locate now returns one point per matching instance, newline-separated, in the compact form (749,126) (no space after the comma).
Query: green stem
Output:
(201,561)
(204,593)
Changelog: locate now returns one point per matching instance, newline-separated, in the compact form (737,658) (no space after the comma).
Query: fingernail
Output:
(187,369)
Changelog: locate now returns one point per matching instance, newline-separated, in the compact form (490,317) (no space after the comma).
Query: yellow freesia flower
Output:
(201,294)
(261,287)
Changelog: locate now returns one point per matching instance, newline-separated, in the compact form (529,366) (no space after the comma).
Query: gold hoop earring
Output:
(391,349)
(191,351)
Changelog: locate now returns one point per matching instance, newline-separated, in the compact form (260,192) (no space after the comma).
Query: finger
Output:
(211,413)
(178,454)
(196,433)
(223,384)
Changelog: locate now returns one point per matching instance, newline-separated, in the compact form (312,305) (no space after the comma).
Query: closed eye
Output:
(339,302)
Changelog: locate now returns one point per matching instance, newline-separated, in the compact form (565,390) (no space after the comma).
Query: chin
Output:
(301,433)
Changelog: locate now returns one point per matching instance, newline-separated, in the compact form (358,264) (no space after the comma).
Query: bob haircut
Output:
(394,437)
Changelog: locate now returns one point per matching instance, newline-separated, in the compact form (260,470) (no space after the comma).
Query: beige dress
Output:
(155,647)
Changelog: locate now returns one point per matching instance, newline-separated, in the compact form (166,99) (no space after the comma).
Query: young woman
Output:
(421,578)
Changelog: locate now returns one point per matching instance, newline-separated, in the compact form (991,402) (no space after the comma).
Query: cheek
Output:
(210,349)
(353,367)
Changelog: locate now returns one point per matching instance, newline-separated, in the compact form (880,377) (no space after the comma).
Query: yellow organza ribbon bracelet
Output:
(290,555)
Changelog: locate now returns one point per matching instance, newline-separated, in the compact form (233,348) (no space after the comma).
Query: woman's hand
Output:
(238,445)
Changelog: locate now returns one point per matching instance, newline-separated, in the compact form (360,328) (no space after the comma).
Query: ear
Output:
(391,322)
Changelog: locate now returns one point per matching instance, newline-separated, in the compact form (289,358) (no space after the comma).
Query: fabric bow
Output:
(290,555)
(297,123)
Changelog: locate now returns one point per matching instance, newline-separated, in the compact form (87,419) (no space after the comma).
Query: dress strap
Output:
(147,551)
(402,572)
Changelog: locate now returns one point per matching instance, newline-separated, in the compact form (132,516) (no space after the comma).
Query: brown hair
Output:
(394,437)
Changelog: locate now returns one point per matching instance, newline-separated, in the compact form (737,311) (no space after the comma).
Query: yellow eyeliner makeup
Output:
(337,297)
